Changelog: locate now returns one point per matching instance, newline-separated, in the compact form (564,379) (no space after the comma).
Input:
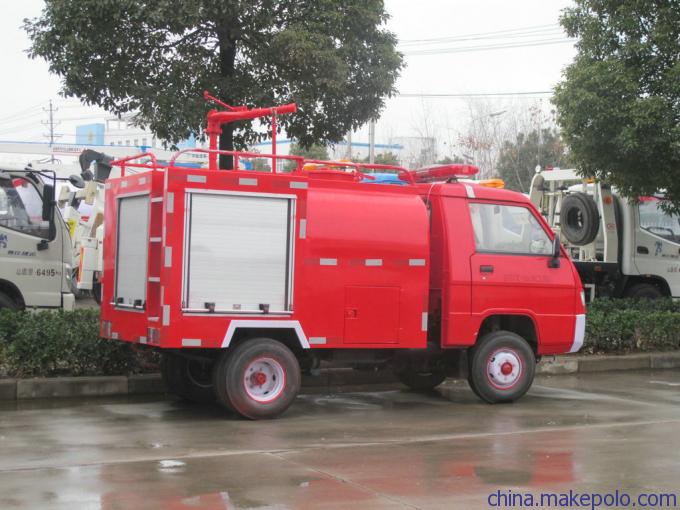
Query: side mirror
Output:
(48,202)
(76,181)
(556,252)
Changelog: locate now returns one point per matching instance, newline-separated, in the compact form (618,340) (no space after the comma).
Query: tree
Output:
(518,158)
(619,103)
(447,160)
(314,151)
(382,158)
(155,57)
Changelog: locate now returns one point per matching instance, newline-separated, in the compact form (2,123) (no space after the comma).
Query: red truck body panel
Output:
(370,266)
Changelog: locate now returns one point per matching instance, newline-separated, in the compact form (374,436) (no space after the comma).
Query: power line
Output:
(494,32)
(469,49)
(476,94)
(481,37)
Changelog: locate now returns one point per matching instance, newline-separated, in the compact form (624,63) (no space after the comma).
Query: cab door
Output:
(657,243)
(29,258)
(511,271)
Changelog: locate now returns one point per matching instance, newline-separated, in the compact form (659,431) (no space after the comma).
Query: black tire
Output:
(643,291)
(263,357)
(579,219)
(7,302)
(421,381)
(485,363)
(97,292)
(187,378)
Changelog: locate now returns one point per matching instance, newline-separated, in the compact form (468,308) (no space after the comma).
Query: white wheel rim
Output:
(504,369)
(264,379)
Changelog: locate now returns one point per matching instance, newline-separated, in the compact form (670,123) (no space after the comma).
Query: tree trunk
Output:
(227,45)
(227,144)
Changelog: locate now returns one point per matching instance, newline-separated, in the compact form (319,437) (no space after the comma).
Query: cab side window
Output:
(21,208)
(508,229)
(656,221)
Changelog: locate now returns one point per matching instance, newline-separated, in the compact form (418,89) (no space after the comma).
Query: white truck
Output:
(621,248)
(35,246)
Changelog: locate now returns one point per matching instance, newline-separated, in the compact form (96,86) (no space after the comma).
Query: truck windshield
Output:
(21,207)
(656,221)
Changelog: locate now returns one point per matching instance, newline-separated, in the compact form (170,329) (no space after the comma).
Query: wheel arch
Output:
(655,280)
(521,324)
(289,333)
(12,292)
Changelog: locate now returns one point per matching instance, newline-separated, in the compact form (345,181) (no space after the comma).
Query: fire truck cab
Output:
(244,279)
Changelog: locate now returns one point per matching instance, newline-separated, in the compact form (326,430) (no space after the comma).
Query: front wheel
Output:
(502,367)
(259,379)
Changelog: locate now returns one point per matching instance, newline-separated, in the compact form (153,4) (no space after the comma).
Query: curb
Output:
(335,380)
(574,363)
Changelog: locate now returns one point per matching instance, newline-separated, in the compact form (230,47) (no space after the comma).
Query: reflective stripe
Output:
(328,262)
(423,324)
(142,180)
(244,181)
(157,199)
(114,335)
(142,339)
(298,185)
(170,203)
(416,262)
(374,262)
(579,333)
(155,239)
(196,178)
(168,256)
(470,191)
(260,324)
(154,279)
(166,315)
(123,184)
(317,340)
(303,228)
(191,342)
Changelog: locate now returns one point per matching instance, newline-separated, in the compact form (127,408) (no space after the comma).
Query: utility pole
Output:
(371,142)
(51,135)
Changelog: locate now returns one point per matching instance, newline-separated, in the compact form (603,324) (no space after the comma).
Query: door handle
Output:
(643,250)
(486,269)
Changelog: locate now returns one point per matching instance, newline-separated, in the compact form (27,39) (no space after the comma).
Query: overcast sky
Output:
(451,47)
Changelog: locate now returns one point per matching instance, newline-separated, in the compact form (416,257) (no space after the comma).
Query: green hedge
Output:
(624,325)
(47,343)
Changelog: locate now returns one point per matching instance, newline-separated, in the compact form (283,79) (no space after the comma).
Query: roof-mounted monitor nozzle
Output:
(234,113)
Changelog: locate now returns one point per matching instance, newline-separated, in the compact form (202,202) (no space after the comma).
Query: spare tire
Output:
(579,219)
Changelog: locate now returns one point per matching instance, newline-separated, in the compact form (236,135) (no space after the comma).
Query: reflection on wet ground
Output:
(396,449)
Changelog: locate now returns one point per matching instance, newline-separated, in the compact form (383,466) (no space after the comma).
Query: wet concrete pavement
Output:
(395,449)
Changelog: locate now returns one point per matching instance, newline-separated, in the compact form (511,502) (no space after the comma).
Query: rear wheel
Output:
(7,303)
(259,379)
(187,378)
(502,367)
(97,292)
(421,381)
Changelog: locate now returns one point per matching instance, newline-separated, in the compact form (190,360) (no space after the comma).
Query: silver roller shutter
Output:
(238,252)
(131,255)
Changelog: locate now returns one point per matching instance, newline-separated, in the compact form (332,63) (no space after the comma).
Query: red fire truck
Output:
(245,279)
